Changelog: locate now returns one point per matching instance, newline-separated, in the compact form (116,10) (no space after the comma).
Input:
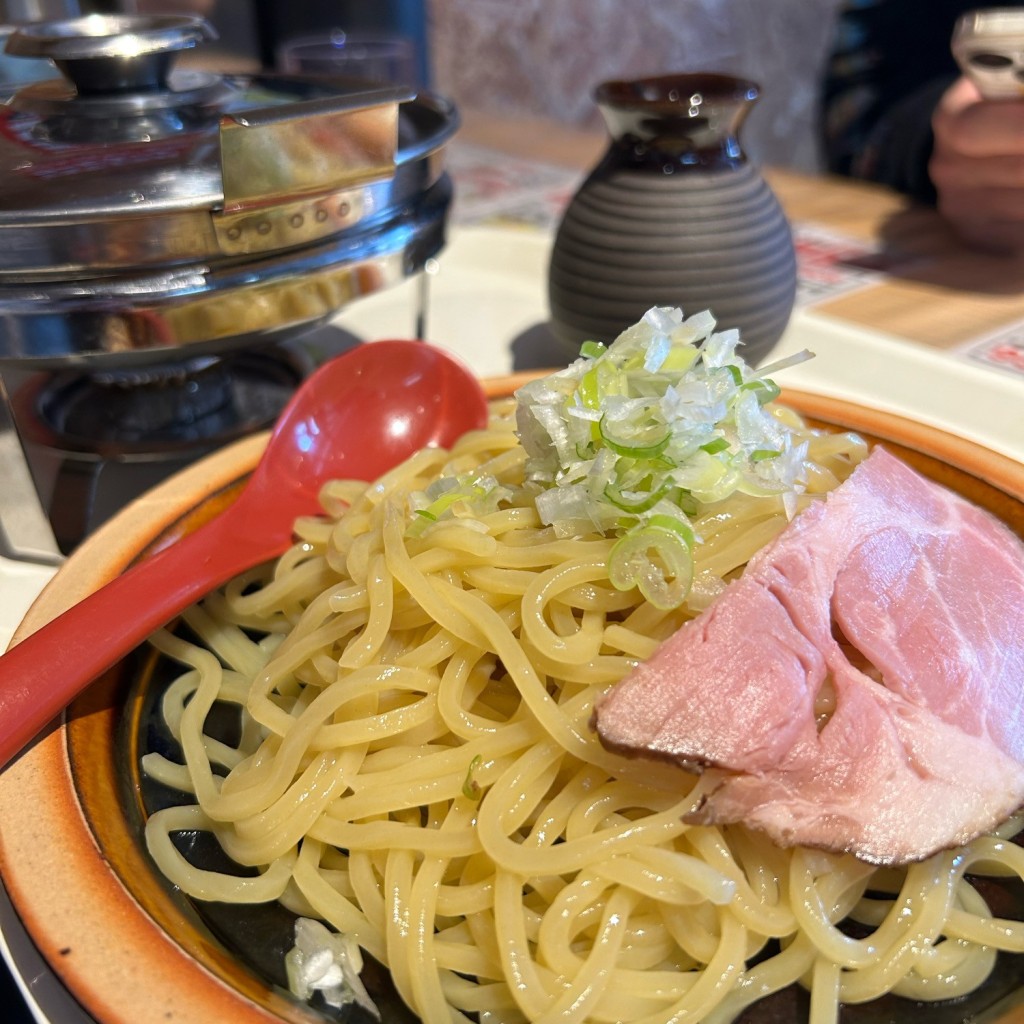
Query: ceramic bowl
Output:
(128,947)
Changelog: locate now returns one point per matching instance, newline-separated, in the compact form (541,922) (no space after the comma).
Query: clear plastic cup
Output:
(389,59)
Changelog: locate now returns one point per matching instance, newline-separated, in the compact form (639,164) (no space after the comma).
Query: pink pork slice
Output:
(929,590)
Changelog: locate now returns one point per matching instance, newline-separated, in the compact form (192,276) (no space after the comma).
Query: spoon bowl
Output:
(357,416)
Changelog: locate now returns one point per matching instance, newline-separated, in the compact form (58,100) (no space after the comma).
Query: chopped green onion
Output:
(589,391)
(766,390)
(686,502)
(327,963)
(470,787)
(637,501)
(719,444)
(678,526)
(664,421)
(656,560)
(468,494)
(679,359)
(785,362)
(647,443)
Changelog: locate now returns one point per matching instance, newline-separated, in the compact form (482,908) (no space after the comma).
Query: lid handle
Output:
(112,53)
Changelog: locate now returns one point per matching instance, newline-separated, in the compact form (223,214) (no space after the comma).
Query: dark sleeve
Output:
(889,66)
(899,145)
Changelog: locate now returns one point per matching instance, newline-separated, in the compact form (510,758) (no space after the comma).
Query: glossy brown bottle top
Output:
(672,122)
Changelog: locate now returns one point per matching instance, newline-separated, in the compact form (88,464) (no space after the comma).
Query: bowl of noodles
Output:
(443,800)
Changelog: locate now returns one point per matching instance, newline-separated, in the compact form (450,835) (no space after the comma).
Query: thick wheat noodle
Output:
(416,768)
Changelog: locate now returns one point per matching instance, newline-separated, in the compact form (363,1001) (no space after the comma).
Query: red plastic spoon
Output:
(356,417)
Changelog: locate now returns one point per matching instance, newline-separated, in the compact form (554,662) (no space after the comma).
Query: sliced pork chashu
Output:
(924,748)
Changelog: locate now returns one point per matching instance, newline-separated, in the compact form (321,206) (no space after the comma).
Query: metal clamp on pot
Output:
(165,232)
(147,207)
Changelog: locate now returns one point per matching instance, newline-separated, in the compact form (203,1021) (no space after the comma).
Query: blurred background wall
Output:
(544,57)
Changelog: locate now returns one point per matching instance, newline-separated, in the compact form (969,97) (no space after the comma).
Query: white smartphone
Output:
(989,47)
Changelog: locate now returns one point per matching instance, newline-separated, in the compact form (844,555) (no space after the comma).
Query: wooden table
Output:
(934,290)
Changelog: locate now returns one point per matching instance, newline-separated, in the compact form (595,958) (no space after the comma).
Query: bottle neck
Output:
(677,121)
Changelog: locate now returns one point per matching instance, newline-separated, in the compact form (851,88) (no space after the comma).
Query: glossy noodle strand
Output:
(414,766)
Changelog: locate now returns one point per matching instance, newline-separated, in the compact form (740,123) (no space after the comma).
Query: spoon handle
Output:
(43,673)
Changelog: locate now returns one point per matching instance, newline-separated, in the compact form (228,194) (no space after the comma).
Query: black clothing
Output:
(890,65)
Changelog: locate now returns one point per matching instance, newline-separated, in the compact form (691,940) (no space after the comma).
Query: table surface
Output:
(933,290)
(892,342)
(899,315)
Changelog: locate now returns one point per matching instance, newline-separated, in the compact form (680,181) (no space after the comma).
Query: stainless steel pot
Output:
(145,207)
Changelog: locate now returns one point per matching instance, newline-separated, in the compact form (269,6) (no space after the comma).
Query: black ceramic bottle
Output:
(673,215)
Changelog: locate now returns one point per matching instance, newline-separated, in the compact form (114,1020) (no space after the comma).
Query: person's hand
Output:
(977,167)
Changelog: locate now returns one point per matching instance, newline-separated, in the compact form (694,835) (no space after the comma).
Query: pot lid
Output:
(146,209)
(128,162)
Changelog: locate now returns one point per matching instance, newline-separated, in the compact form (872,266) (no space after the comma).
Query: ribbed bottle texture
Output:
(674,216)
